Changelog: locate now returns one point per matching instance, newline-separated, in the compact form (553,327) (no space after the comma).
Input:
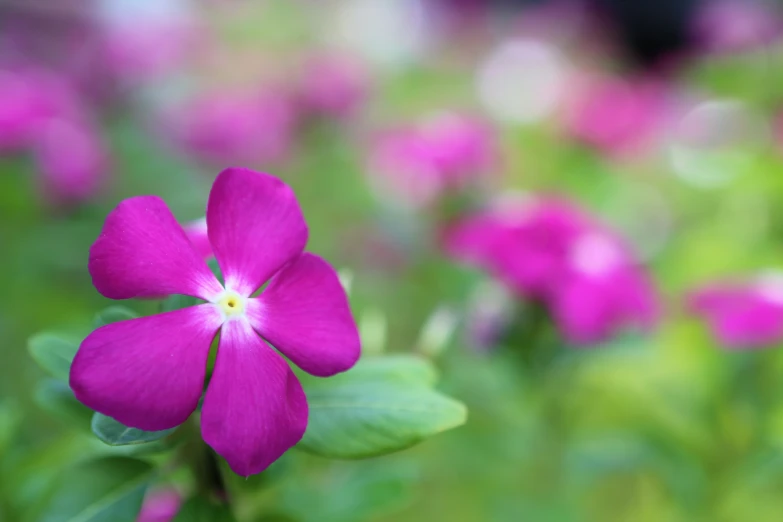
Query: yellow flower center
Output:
(231,304)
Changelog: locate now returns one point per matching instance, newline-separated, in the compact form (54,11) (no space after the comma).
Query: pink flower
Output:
(225,127)
(21,109)
(524,244)
(742,315)
(196,231)
(149,372)
(333,86)
(620,117)
(728,26)
(601,290)
(160,506)
(70,159)
(134,50)
(417,164)
(550,251)
(42,115)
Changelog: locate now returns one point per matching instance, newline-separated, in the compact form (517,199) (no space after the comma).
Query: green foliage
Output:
(57,398)
(103,490)
(54,353)
(114,433)
(113,314)
(200,509)
(379,406)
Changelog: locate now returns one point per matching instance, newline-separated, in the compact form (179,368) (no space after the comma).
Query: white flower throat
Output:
(230,304)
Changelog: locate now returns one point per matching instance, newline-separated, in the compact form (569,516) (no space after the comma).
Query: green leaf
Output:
(176,301)
(114,314)
(104,490)
(57,398)
(10,420)
(408,369)
(200,509)
(384,404)
(213,265)
(114,433)
(54,353)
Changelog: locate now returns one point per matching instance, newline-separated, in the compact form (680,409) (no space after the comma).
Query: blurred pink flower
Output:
(524,244)
(602,290)
(742,315)
(197,234)
(133,52)
(419,163)
(160,506)
(41,114)
(549,250)
(234,128)
(70,159)
(334,86)
(21,109)
(727,26)
(619,117)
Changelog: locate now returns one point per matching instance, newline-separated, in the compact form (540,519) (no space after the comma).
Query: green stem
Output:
(205,466)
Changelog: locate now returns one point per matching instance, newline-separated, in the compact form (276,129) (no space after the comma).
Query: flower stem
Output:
(205,466)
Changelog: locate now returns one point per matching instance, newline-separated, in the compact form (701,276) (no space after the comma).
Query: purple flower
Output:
(601,290)
(160,506)
(224,127)
(70,158)
(728,26)
(42,115)
(549,250)
(524,244)
(21,109)
(149,372)
(419,163)
(742,315)
(333,86)
(621,118)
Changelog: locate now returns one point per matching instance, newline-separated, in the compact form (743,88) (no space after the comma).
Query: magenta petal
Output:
(255,226)
(197,234)
(254,409)
(143,252)
(147,373)
(304,313)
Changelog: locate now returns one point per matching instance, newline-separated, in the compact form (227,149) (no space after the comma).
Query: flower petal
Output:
(254,409)
(255,226)
(147,373)
(143,252)
(196,231)
(304,313)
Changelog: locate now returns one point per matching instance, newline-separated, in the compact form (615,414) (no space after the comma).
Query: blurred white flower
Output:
(522,81)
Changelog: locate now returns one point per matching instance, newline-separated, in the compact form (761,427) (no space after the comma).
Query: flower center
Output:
(230,304)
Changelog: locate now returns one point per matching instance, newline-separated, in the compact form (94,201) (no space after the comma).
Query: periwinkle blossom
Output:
(419,163)
(550,251)
(40,114)
(333,86)
(70,159)
(160,505)
(734,26)
(21,108)
(742,314)
(143,40)
(149,372)
(619,117)
(234,127)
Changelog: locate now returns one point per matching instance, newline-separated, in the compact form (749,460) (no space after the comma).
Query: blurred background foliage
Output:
(673,423)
